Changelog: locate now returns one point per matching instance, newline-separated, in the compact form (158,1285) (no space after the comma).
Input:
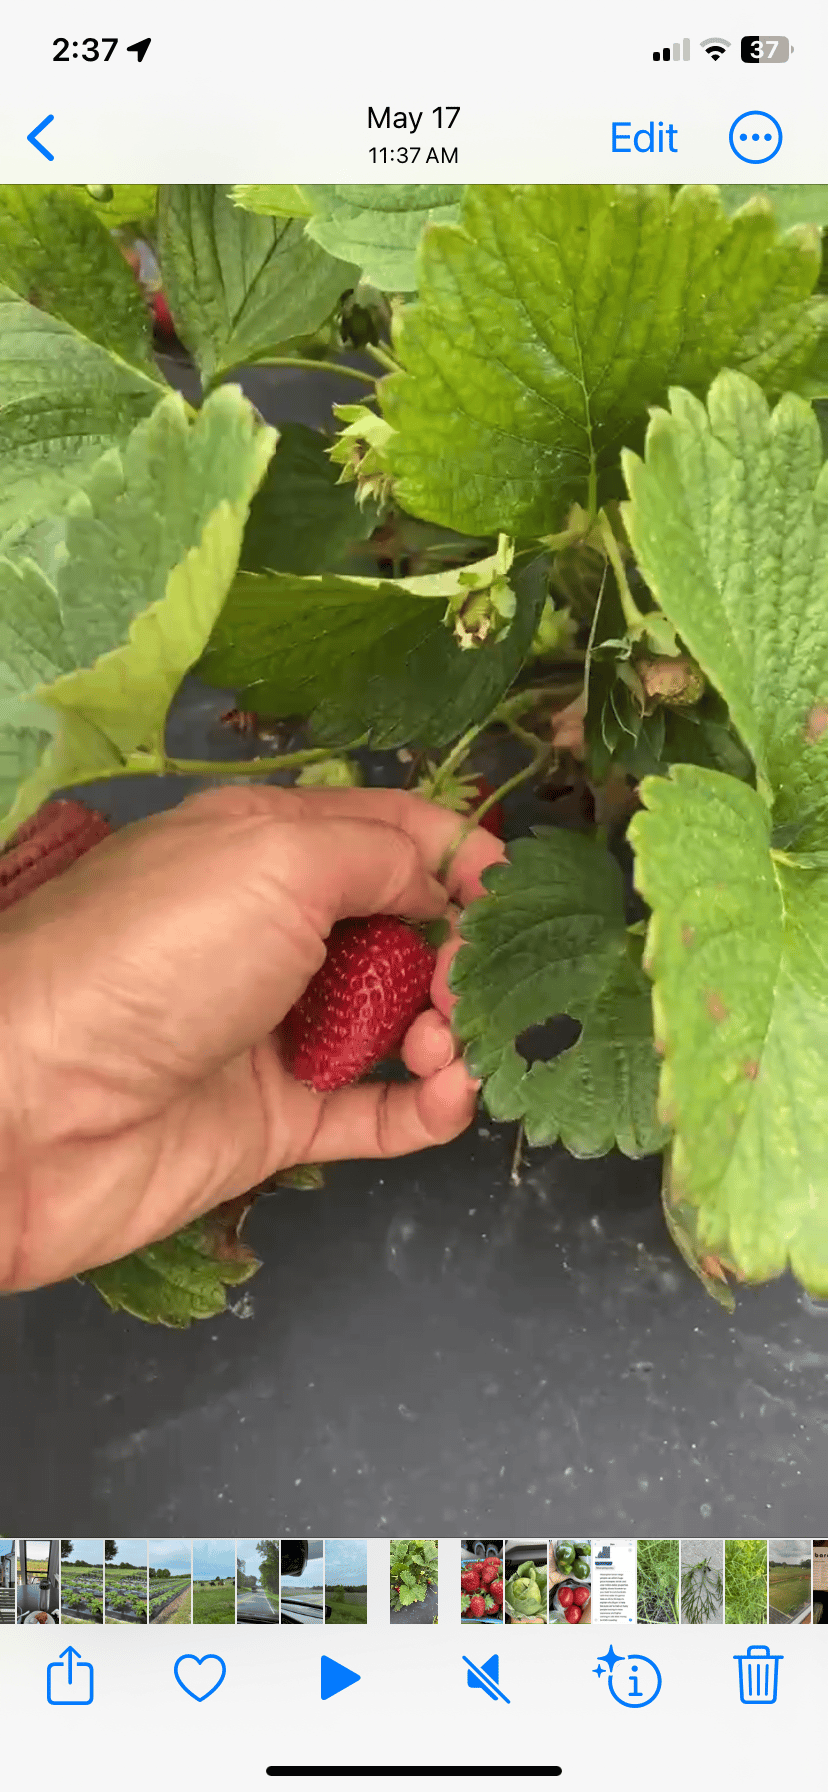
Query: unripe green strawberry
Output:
(330,774)
(374,982)
(52,839)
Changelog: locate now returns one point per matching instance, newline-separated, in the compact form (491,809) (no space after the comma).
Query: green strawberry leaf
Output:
(301,519)
(56,254)
(729,523)
(65,400)
(144,507)
(274,202)
(551,317)
(419,688)
(239,286)
(736,951)
(681,1222)
(26,731)
(140,583)
(378,227)
(185,1277)
(550,939)
(33,648)
(133,205)
(790,205)
(736,877)
(371,657)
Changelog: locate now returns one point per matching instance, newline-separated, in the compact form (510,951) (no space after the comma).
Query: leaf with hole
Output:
(550,939)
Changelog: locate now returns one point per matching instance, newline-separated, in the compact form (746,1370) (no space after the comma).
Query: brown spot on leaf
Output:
(688,935)
(817,722)
(222,1229)
(660,1047)
(751,1069)
(715,1006)
(712,1267)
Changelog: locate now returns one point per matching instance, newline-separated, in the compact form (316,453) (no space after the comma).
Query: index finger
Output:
(432,828)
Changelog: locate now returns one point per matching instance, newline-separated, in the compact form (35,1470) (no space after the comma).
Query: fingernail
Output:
(444,1042)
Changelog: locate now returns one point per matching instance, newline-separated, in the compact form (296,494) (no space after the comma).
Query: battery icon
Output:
(766,49)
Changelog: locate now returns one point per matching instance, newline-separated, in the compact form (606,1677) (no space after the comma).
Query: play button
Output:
(335,1677)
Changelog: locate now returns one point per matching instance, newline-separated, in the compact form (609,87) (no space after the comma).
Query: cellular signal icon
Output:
(715,46)
(678,53)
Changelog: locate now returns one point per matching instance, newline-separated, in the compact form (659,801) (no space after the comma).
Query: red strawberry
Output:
(374,982)
(496,1590)
(490,1570)
(470,1581)
(49,842)
(162,315)
(477,1606)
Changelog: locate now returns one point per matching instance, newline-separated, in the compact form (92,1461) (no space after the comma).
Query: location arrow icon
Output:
(140,49)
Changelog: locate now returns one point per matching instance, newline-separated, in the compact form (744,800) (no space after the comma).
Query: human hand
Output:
(142,1080)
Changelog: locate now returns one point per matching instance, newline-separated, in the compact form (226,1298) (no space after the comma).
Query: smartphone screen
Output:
(413,894)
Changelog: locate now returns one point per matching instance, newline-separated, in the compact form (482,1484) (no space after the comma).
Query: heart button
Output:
(200,1675)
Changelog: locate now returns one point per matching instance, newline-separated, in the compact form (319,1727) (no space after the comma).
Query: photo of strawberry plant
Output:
(82,1580)
(414,1588)
(575,512)
(126,1580)
(482,1581)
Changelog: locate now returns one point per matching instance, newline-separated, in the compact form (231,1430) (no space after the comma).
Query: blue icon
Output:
(334,1677)
(33,136)
(755,137)
(70,1681)
(639,1684)
(200,1675)
(758,1675)
(486,1679)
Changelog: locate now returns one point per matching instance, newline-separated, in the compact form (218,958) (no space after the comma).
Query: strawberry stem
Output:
(143,765)
(380,354)
(545,755)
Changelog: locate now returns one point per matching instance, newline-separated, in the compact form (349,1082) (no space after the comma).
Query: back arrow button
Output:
(33,137)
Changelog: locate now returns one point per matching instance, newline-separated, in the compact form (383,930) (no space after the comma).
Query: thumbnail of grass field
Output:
(789,1587)
(214,1604)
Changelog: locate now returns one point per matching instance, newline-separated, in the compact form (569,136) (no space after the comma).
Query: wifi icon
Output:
(715,46)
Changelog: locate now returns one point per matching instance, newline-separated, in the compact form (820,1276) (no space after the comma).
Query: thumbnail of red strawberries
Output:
(481,1588)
